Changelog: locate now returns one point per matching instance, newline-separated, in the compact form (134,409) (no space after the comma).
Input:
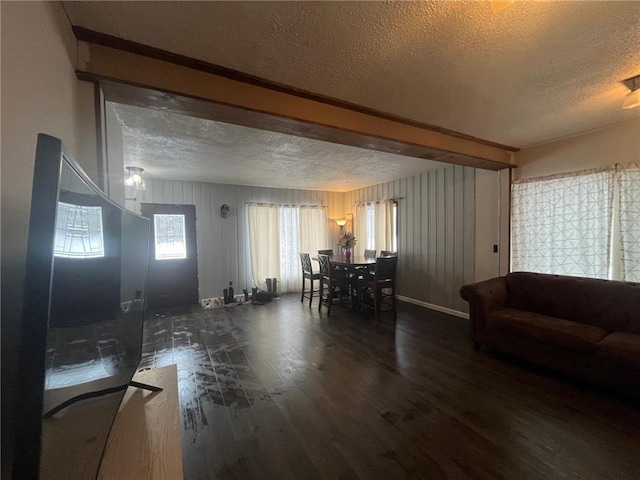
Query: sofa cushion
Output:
(564,334)
(608,304)
(621,348)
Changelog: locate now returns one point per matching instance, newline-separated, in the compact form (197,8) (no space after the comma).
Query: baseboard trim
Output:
(431,306)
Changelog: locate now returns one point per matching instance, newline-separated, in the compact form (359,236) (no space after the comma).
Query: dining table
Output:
(356,266)
(352,261)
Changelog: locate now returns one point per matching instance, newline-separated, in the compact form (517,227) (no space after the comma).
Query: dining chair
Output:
(387,253)
(307,273)
(335,281)
(330,253)
(381,289)
(361,272)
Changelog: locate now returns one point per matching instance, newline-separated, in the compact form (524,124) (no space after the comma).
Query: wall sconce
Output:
(632,99)
(224,210)
(134,178)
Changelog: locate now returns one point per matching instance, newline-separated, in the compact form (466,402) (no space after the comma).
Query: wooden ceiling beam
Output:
(141,78)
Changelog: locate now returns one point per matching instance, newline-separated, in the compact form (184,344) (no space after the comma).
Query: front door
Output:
(172,278)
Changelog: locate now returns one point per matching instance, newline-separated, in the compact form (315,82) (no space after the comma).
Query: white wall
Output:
(487,224)
(85,149)
(618,143)
(40,93)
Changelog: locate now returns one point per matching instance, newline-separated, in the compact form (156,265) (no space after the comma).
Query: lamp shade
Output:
(632,99)
(341,222)
(498,5)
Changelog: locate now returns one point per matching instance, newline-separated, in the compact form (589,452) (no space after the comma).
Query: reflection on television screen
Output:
(94,335)
(78,231)
(95,324)
(85,354)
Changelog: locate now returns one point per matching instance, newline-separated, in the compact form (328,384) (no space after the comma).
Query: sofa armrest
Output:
(484,298)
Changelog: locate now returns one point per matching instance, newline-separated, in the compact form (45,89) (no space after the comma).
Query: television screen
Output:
(83,318)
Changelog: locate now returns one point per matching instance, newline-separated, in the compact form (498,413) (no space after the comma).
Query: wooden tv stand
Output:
(145,441)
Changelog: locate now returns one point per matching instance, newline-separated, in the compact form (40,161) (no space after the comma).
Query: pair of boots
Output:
(272,286)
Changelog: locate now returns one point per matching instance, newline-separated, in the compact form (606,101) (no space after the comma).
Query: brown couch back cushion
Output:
(611,305)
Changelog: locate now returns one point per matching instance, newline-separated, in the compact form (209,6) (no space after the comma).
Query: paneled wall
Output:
(436,226)
(223,251)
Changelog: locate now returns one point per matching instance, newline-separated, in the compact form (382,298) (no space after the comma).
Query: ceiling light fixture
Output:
(632,99)
(498,5)
(134,178)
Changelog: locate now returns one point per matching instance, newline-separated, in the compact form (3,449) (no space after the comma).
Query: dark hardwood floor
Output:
(279,391)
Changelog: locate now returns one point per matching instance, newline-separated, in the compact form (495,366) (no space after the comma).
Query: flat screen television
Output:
(82,323)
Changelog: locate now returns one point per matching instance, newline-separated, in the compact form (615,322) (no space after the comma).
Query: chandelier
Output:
(134,178)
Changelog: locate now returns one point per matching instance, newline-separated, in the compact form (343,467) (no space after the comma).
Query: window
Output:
(370,227)
(169,236)
(377,226)
(391,226)
(583,224)
(563,225)
(78,232)
(277,234)
(289,248)
(629,211)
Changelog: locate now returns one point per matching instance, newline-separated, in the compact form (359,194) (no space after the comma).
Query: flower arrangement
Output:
(347,240)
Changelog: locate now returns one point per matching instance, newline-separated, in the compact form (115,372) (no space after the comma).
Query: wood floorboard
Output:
(281,391)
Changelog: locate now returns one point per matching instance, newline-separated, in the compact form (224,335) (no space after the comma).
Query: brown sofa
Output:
(581,326)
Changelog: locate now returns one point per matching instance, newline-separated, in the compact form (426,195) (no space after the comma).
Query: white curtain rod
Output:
(616,167)
(284,205)
(394,200)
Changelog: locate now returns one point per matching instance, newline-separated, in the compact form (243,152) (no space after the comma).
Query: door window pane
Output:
(169,233)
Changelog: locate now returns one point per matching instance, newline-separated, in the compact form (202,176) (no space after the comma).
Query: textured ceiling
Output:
(169,145)
(528,74)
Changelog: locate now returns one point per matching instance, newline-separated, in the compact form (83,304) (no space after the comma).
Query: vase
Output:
(347,254)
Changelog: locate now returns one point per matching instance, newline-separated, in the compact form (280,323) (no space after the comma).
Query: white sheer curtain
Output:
(277,234)
(264,242)
(375,227)
(629,208)
(562,224)
(384,226)
(360,232)
(290,277)
(313,231)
